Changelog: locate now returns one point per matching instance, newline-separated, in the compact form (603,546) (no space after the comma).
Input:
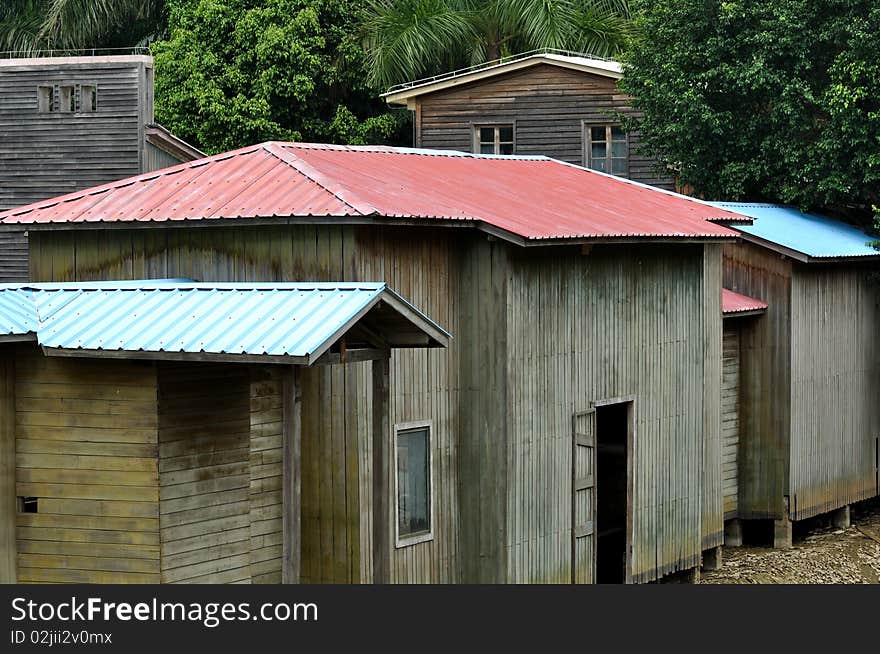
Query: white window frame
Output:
(415,539)
(588,143)
(476,127)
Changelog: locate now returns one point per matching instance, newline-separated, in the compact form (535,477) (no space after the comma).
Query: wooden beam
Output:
(291,436)
(381,471)
(351,356)
(199,357)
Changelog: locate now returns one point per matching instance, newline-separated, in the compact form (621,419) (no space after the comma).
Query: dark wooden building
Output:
(585,351)
(68,123)
(809,368)
(557,105)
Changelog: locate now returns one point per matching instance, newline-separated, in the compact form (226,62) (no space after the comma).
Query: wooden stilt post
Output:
(381,471)
(292,477)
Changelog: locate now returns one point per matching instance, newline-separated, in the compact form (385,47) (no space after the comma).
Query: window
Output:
(607,149)
(413,484)
(68,98)
(28,504)
(494,139)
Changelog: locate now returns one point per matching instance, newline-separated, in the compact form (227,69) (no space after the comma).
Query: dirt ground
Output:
(820,555)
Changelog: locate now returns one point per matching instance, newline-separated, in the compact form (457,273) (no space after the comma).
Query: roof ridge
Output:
(341,193)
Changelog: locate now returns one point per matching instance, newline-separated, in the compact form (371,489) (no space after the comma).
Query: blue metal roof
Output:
(810,234)
(291,321)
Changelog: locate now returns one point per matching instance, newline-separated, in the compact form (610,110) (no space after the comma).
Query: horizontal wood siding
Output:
(586,328)
(13,256)
(548,105)
(8,504)
(86,447)
(835,386)
(266,476)
(765,379)
(730,416)
(47,154)
(204,473)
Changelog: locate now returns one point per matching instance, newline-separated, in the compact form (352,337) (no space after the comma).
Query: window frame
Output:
(422,537)
(475,132)
(587,139)
(66,97)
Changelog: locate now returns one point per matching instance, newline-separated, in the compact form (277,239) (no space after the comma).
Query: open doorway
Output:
(613,428)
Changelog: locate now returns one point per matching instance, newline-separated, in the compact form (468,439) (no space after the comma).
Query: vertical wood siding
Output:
(86,447)
(835,386)
(765,379)
(638,329)
(730,416)
(548,106)
(712,516)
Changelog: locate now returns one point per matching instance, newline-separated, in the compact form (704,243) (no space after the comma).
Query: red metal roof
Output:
(533,198)
(733,303)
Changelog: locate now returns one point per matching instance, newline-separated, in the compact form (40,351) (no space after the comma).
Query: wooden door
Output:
(583,500)
(730,420)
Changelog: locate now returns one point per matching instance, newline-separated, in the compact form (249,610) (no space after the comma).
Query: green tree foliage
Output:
(762,99)
(236,72)
(407,39)
(34,25)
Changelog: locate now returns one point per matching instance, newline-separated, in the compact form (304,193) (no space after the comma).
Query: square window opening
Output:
(414,486)
(28,504)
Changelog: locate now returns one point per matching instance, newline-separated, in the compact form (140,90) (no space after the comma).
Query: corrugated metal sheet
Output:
(280,320)
(811,234)
(18,314)
(534,198)
(733,302)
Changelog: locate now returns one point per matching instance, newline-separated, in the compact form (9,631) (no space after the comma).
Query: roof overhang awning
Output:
(737,305)
(284,323)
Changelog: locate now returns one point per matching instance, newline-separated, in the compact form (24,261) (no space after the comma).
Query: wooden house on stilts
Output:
(807,369)
(585,354)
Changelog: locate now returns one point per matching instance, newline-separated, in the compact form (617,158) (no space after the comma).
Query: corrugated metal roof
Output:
(18,315)
(525,198)
(810,234)
(298,321)
(733,303)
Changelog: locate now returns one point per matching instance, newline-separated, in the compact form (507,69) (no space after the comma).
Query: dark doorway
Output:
(612,436)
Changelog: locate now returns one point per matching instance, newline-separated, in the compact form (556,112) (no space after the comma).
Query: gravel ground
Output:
(821,555)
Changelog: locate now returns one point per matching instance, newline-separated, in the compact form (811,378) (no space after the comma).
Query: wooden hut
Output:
(809,368)
(560,105)
(152,430)
(70,123)
(586,350)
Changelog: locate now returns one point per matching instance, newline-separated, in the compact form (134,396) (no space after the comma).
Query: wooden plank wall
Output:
(265,476)
(730,416)
(484,426)
(640,332)
(86,447)
(548,105)
(835,385)
(13,256)
(43,155)
(8,503)
(765,378)
(712,516)
(424,385)
(204,473)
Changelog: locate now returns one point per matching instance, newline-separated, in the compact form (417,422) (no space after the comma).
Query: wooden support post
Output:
(733,533)
(291,434)
(782,533)
(840,518)
(381,471)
